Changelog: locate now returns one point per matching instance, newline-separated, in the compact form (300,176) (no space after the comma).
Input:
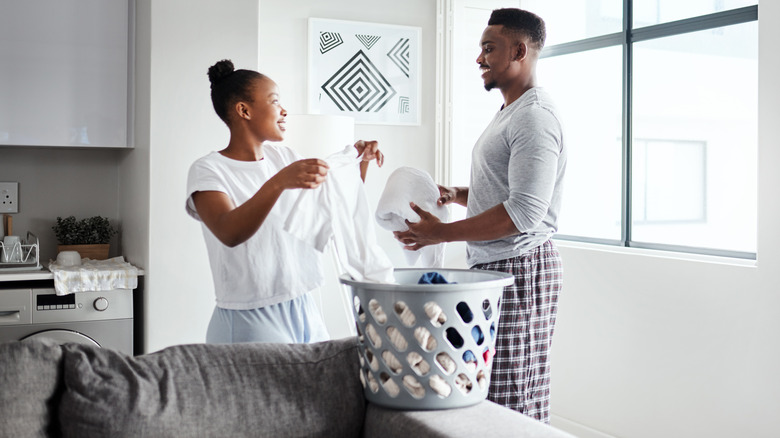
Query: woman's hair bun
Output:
(220,70)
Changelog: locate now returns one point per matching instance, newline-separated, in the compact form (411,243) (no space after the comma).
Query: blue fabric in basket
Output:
(432,278)
(476,333)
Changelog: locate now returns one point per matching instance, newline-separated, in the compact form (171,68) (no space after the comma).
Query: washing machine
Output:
(103,318)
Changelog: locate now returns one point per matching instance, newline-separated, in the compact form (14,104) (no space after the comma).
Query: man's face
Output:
(497,58)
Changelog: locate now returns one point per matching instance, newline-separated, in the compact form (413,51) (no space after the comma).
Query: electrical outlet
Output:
(9,197)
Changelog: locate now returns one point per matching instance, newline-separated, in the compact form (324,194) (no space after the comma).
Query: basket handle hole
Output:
(446,363)
(373,336)
(482,380)
(440,386)
(487,309)
(361,314)
(465,312)
(455,339)
(414,386)
(404,314)
(372,383)
(372,361)
(396,338)
(389,385)
(463,383)
(470,360)
(392,362)
(477,334)
(377,312)
(434,313)
(418,364)
(424,338)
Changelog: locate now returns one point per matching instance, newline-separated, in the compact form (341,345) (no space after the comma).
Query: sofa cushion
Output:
(30,387)
(485,419)
(215,390)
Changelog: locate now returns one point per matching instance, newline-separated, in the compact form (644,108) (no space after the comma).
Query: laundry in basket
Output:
(428,346)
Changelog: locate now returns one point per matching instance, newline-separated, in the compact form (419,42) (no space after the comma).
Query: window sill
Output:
(668,255)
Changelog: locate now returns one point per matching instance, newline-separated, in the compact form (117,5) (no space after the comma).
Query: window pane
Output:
(695,139)
(472,106)
(589,100)
(649,12)
(571,20)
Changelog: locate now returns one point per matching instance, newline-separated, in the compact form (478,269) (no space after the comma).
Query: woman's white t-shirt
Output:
(272,266)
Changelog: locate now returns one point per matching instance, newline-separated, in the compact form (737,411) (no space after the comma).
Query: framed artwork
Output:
(368,71)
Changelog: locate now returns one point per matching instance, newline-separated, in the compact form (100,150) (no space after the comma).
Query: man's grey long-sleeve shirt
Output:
(519,161)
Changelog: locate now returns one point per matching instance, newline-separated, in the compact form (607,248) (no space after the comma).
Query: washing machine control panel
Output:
(48,307)
(55,302)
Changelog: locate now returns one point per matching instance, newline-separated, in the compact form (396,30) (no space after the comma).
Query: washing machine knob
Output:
(100,304)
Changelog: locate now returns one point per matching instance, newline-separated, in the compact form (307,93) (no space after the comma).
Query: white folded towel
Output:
(94,275)
(405,185)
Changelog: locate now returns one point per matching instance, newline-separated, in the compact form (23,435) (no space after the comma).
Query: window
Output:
(660,105)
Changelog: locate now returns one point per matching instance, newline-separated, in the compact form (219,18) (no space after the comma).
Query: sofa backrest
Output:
(30,388)
(214,390)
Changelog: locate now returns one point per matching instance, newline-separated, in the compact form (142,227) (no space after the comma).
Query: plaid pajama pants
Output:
(520,379)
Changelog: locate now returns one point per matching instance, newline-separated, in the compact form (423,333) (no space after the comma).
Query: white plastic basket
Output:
(428,346)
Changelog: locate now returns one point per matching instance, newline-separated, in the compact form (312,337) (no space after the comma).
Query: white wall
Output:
(648,345)
(175,124)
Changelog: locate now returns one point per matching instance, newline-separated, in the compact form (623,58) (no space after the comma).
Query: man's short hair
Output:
(522,22)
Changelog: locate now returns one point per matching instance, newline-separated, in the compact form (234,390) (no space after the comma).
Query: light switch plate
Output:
(9,197)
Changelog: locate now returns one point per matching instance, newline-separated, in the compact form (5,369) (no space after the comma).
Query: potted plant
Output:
(89,236)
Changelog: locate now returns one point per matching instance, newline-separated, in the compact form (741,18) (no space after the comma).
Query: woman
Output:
(241,194)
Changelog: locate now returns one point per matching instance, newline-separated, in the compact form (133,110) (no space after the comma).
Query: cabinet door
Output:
(64,72)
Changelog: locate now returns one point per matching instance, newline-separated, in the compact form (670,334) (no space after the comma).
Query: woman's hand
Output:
(369,150)
(302,174)
(450,195)
(446,195)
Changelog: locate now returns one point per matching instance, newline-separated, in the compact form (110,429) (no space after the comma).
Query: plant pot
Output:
(97,251)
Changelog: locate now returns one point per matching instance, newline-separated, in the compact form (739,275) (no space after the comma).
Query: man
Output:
(513,202)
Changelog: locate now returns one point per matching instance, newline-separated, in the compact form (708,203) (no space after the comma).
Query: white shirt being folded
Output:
(338,210)
(405,185)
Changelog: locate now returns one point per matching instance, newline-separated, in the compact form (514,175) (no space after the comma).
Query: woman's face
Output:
(267,114)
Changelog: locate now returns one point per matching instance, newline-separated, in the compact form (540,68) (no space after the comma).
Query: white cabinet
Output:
(64,72)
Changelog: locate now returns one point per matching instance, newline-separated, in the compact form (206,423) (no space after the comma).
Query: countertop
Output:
(25,275)
(32,275)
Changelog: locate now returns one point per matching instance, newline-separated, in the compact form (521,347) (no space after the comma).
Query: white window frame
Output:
(446,11)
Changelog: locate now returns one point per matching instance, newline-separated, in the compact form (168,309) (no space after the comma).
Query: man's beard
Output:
(490,85)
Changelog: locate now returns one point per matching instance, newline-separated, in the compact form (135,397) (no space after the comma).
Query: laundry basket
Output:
(428,346)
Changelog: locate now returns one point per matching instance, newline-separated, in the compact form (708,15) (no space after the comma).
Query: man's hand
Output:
(420,234)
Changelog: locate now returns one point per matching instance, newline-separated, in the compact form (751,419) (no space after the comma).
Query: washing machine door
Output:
(61,336)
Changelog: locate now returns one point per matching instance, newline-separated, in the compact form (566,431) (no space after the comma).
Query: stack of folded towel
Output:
(94,275)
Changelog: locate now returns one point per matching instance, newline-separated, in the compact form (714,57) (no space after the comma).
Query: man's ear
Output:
(522,51)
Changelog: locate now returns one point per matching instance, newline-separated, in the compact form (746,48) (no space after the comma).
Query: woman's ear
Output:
(242,110)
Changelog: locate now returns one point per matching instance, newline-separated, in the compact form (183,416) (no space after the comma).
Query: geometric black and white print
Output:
(403,105)
(367,71)
(359,86)
(368,40)
(329,41)
(399,54)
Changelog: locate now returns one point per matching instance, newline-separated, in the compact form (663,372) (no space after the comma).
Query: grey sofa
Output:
(204,390)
